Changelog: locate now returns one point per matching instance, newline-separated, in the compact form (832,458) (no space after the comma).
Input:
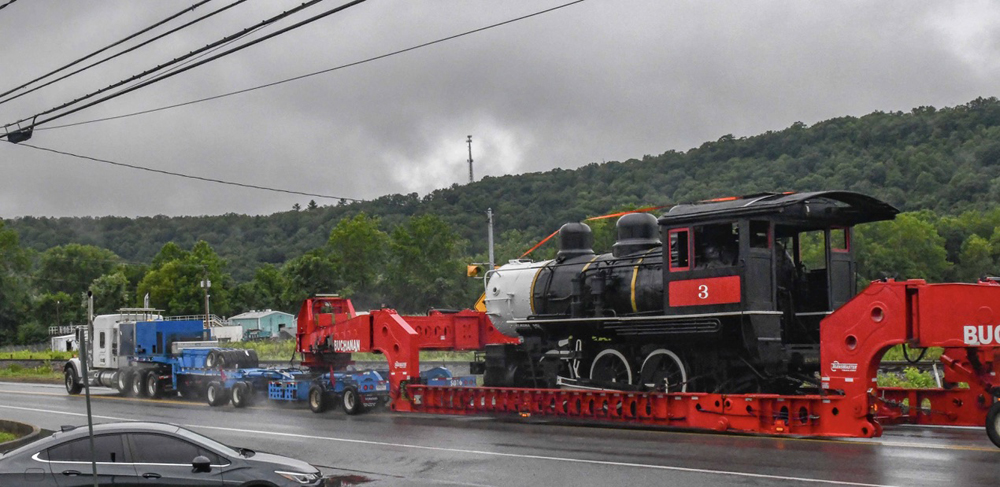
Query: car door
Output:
(162,459)
(70,462)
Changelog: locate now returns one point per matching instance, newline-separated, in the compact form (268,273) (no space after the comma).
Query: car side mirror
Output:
(201,464)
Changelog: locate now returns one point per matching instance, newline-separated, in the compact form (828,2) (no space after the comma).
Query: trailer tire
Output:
(211,359)
(222,359)
(242,395)
(993,423)
(123,382)
(215,394)
(72,386)
(252,360)
(153,387)
(138,383)
(351,401)
(318,399)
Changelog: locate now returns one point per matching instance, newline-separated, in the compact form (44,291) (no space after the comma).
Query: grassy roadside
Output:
(17,373)
(5,437)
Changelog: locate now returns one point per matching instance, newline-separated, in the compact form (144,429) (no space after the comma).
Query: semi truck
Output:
(139,353)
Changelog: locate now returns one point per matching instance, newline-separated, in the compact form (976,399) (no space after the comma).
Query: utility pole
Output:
(206,284)
(89,332)
(469,140)
(489,215)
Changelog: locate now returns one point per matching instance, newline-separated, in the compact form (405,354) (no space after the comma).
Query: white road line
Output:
(491,453)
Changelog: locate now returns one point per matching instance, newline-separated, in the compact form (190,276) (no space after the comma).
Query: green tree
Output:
(975,260)
(907,247)
(174,282)
(358,251)
(265,291)
(71,268)
(426,269)
(310,274)
(110,292)
(13,287)
(59,308)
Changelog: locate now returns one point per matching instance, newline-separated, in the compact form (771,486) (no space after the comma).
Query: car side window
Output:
(108,449)
(153,448)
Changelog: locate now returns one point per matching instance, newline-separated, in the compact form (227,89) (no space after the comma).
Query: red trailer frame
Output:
(963,318)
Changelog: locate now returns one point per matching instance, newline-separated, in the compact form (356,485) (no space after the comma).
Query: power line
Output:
(309,75)
(188,176)
(228,38)
(88,56)
(122,53)
(6,4)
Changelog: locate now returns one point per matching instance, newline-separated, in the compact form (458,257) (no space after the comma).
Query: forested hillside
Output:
(942,163)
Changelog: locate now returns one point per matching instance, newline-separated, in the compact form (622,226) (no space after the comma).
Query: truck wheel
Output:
(242,395)
(123,382)
(993,423)
(72,386)
(221,360)
(138,383)
(318,400)
(351,401)
(153,387)
(216,394)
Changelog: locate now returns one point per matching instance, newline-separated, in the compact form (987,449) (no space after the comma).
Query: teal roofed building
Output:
(265,324)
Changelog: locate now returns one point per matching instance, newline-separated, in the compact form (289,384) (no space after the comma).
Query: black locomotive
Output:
(724,295)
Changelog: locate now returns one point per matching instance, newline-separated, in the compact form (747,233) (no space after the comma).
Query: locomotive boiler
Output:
(724,295)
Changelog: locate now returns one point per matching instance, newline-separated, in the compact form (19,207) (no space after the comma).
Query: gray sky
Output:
(600,80)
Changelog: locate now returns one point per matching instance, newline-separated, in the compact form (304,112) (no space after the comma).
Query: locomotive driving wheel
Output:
(611,366)
(663,368)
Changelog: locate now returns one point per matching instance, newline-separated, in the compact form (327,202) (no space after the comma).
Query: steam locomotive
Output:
(724,295)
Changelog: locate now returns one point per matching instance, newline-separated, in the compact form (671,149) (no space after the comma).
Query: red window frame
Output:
(690,257)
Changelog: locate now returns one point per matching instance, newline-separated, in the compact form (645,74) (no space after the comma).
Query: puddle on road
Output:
(342,480)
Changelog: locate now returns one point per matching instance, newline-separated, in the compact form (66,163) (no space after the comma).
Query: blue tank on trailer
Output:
(155,337)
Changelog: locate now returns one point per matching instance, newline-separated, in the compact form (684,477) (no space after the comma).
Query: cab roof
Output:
(844,208)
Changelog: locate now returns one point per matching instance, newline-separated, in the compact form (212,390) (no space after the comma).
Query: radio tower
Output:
(469,140)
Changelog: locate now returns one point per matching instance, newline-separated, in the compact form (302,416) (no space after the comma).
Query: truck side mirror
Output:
(201,464)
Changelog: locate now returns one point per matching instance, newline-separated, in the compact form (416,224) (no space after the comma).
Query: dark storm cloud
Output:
(602,80)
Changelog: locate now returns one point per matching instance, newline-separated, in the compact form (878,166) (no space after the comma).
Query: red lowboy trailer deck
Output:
(962,318)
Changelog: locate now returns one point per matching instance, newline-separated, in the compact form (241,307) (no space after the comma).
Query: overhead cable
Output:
(6,4)
(122,53)
(309,75)
(88,56)
(188,176)
(276,18)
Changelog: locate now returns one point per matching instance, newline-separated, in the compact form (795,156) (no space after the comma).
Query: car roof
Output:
(100,428)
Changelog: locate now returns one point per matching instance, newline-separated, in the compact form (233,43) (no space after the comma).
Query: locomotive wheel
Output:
(993,423)
(664,368)
(611,366)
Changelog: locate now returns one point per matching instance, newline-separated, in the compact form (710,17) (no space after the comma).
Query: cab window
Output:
(716,245)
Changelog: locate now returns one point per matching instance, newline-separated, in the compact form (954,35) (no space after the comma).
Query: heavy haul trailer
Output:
(142,356)
(689,322)
(960,317)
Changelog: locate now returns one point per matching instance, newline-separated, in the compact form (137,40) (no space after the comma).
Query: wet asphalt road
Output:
(389,449)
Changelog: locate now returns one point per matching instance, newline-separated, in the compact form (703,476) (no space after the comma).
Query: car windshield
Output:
(208,442)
